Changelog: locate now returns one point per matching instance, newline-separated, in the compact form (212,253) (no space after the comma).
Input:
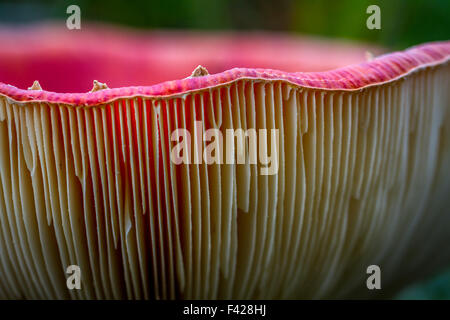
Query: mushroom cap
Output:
(361,152)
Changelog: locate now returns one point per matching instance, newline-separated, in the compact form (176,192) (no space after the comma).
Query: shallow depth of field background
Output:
(404,23)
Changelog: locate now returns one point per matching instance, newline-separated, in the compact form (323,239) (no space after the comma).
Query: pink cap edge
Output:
(382,69)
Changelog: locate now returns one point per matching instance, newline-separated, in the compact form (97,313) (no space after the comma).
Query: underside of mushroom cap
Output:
(361,179)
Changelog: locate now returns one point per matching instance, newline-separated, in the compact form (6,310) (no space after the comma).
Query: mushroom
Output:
(362,173)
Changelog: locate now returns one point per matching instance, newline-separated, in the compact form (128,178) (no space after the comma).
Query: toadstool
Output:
(86,179)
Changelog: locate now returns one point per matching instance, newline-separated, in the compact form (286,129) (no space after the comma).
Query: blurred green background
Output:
(403,23)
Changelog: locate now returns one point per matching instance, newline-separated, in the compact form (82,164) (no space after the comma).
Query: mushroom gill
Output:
(363,179)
